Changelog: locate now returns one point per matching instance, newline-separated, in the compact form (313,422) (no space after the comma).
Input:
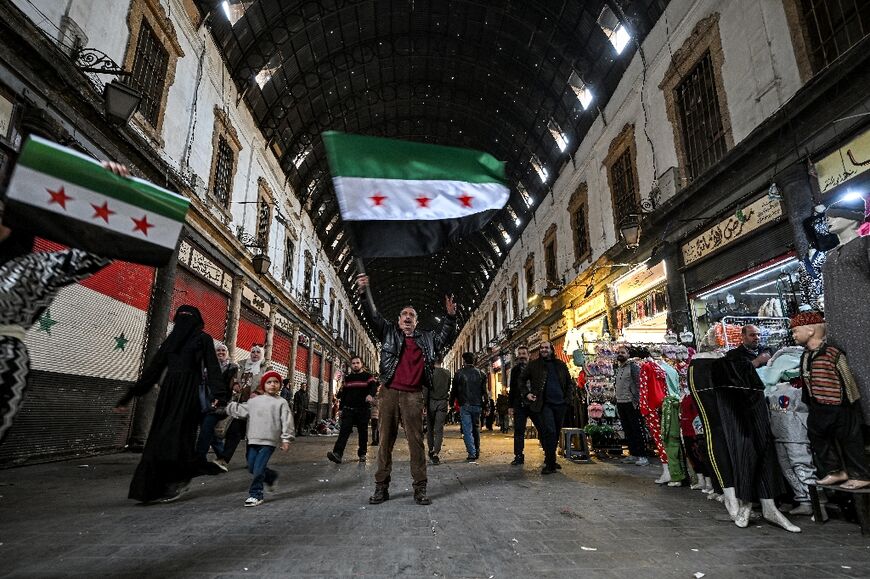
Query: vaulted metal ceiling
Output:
(484,74)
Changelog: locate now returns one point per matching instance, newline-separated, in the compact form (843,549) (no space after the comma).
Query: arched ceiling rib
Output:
(484,74)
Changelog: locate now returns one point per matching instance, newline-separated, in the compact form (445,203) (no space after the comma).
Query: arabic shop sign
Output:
(204,267)
(845,163)
(743,222)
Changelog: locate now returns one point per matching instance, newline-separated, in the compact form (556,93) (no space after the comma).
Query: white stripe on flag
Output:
(34,189)
(364,199)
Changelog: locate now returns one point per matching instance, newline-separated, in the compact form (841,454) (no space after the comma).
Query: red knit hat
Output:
(807,319)
(267,375)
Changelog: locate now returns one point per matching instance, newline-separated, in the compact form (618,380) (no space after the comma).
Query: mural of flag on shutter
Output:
(95,328)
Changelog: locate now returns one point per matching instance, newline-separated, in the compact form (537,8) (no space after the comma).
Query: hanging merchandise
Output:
(604,428)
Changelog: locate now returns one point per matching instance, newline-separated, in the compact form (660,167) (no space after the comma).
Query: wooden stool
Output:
(574,444)
(862,504)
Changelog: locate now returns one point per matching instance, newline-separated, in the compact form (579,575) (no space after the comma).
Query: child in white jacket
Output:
(269,424)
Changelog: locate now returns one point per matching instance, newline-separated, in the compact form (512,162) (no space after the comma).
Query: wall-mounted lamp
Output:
(260,261)
(120,100)
(629,230)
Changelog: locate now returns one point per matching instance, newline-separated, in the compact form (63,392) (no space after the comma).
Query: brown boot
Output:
(420,496)
(382,493)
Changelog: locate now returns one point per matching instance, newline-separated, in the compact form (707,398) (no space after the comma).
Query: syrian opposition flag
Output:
(400,198)
(62,195)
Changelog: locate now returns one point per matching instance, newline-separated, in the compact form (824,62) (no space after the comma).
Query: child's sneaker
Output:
(253,502)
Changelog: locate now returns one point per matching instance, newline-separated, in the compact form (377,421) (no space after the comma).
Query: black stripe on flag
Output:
(411,238)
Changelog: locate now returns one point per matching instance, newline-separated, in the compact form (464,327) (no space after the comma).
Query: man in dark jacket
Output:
(469,389)
(407,356)
(750,350)
(356,395)
(436,409)
(300,409)
(519,404)
(549,391)
(501,406)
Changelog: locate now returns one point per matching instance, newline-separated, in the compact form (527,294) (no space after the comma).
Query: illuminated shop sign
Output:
(744,221)
(845,163)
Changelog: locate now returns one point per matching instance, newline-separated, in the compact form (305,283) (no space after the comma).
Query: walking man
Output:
(355,395)
(550,390)
(407,356)
(627,381)
(300,408)
(469,389)
(519,405)
(436,406)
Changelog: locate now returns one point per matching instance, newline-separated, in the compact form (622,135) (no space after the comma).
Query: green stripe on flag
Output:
(51,159)
(374,157)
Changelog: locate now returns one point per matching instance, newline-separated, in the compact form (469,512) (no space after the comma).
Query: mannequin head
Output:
(808,329)
(844,218)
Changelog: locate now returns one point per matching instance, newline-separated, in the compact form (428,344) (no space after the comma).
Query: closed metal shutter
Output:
(252,330)
(86,351)
(746,255)
(281,344)
(210,301)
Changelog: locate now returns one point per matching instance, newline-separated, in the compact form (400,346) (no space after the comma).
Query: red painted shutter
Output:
(210,301)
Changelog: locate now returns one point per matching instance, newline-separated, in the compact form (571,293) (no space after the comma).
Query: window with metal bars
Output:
(264,222)
(515,299)
(309,276)
(530,278)
(703,132)
(223,172)
(289,254)
(550,261)
(580,227)
(150,65)
(832,27)
(622,181)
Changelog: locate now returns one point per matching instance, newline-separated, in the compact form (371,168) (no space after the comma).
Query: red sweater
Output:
(409,372)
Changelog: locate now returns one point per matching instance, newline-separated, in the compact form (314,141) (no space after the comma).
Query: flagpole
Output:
(362,270)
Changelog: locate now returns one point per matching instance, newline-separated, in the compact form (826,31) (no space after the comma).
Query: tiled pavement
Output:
(488,520)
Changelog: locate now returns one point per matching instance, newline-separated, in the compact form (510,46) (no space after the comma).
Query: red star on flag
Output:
(142,224)
(102,211)
(423,201)
(59,197)
(466,200)
(378,199)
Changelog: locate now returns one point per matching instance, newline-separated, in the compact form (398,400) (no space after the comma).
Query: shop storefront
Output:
(590,326)
(742,271)
(642,304)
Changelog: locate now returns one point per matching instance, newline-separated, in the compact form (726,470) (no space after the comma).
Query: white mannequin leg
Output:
(772,514)
(732,505)
(700,484)
(743,512)
(666,475)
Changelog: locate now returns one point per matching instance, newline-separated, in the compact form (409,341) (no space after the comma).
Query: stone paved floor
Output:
(488,520)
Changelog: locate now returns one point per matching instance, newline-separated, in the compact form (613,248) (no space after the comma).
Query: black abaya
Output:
(169,458)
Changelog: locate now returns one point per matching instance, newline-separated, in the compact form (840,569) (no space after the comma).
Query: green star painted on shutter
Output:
(121,342)
(45,323)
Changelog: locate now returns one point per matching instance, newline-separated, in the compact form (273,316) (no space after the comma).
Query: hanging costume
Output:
(692,428)
(731,400)
(29,283)
(653,390)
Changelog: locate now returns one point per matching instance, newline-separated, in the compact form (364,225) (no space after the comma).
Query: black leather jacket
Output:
(393,340)
(469,387)
(534,378)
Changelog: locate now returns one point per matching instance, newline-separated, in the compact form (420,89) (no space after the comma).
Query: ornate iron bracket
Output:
(96,61)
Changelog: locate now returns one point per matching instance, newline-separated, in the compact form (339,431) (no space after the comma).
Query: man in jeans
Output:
(436,412)
(356,394)
(519,405)
(469,389)
(549,391)
(407,356)
(626,378)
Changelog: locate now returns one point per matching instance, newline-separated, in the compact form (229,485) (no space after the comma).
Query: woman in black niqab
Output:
(184,361)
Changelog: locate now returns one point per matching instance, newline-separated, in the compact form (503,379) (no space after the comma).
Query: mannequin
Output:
(834,422)
(847,284)
(731,400)
(653,389)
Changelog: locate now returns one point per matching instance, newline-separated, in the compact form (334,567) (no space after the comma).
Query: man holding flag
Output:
(407,357)
(405,199)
